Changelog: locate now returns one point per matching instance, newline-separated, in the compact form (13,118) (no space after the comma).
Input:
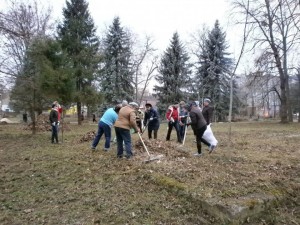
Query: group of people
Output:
(127,118)
(182,115)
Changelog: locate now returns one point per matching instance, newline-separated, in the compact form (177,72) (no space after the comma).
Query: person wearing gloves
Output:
(126,121)
(207,111)
(198,125)
(172,116)
(151,120)
(59,113)
(104,126)
(53,117)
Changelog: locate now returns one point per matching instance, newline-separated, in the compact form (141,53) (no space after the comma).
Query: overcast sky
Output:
(158,18)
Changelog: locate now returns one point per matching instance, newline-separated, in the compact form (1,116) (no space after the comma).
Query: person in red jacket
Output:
(173,118)
(59,110)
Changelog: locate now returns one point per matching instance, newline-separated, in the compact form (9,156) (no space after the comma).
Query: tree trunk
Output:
(283,78)
(32,116)
(79,113)
(298,75)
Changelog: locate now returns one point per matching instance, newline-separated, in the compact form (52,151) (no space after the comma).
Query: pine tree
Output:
(174,74)
(78,39)
(213,72)
(117,74)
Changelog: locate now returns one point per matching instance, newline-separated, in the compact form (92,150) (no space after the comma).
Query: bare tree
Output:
(19,24)
(144,67)
(274,28)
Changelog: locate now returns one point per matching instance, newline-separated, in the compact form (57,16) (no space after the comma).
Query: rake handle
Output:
(145,147)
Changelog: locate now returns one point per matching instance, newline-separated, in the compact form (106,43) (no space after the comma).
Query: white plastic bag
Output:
(209,136)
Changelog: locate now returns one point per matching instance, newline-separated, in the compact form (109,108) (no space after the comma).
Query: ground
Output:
(251,178)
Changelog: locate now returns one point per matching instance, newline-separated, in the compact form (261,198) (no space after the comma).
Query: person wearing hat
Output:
(198,124)
(151,120)
(104,126)
(172,116)
(182,119)
(53,117)
(207,111)
(124,103)
(126,121)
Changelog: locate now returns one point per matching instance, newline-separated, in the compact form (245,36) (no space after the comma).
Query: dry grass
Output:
(69,184)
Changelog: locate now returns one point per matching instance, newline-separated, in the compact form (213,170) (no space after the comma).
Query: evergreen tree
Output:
(174,74)
(27,93)
(117,74)
(213,73)
(78,39)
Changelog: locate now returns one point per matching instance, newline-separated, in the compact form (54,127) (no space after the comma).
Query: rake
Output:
(149,156)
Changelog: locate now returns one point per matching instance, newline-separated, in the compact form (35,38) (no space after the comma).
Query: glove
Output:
(151,119)
(53,124)
(58,123)
(188,120)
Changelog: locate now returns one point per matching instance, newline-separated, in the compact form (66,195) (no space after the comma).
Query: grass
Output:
(70,184)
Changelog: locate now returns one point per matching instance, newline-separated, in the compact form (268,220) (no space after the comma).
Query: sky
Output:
(157,18)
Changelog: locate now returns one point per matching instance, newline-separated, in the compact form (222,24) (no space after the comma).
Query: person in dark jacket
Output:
(207,111)
(199,126)
(151,120)
(53,117)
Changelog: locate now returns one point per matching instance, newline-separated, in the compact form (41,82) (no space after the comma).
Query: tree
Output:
(117,73)
(144,65)
(27,93)
(78,39)
(274,25)
(19,25)
(174,74)
(213,72)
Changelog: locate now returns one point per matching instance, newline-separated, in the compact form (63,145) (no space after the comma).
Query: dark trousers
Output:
(182,131)
(54,133)
(174,124)
(105,129)
(123,135)
(199,139)
(150,133)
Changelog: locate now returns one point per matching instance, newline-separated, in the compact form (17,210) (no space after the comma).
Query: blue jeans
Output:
(123,135)
(54,133)
(105,129)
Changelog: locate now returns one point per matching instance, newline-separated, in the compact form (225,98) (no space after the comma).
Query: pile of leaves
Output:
(170,150)
(42,124)
(89,136)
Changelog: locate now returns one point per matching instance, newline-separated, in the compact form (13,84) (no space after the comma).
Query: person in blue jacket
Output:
(104,126)
(151,120)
